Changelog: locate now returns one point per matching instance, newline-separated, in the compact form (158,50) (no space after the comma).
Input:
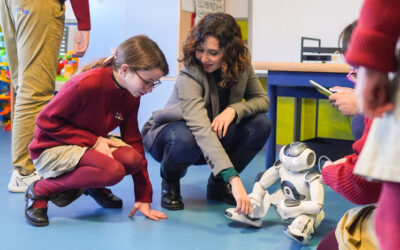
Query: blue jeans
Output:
(176,149)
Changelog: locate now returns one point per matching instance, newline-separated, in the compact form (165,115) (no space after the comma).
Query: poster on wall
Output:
(203,7)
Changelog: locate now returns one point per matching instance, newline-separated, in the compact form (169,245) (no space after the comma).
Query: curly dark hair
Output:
(225,29)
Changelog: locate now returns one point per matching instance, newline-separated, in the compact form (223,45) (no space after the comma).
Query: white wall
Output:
(237,8)
(279,25)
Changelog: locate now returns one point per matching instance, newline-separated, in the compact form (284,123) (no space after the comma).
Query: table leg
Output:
(270,150)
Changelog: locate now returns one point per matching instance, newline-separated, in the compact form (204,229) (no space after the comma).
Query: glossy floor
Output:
(201,225)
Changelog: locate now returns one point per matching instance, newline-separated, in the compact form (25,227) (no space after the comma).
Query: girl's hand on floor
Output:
(146,210)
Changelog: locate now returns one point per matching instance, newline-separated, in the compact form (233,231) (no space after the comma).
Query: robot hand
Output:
(259,205)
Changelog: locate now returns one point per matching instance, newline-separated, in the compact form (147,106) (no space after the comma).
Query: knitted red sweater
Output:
(340,177)
(82,13)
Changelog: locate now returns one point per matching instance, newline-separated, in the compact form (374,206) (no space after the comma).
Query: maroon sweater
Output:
(82,13)
(90,105)
(340,177)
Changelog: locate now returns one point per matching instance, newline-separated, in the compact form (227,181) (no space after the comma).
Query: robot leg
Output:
(301,228)
(260,202)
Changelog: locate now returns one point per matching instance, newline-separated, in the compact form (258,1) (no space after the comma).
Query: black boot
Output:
(217,189)
(171,195)
(104,197)
(64,198)
(35,216)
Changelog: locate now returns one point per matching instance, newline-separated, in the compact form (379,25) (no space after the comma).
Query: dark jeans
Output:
(357,126)
(176,149)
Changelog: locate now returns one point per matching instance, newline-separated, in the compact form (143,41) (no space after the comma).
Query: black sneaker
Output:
(65,198)
(104,197)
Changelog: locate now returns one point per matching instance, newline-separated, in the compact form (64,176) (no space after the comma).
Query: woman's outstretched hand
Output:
(243,204)
(146,210)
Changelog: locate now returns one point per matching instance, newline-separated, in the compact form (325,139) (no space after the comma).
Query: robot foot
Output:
(302,239)
(244,218)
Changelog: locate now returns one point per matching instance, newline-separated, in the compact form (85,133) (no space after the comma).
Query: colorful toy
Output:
(67,65)
(300,198)
(5,100)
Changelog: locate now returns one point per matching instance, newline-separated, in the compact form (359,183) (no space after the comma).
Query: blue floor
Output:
(201,225)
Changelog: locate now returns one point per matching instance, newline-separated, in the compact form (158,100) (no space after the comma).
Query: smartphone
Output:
(321,89)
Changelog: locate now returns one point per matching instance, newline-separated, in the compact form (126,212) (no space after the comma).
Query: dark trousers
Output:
(176,149)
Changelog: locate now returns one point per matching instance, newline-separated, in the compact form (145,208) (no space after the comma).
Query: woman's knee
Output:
(258,129)
(180,145)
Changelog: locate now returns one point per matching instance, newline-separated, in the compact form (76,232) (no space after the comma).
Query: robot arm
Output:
(317,192)
(267,179)
(270,176)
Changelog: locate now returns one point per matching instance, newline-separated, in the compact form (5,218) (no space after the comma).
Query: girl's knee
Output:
(114,174)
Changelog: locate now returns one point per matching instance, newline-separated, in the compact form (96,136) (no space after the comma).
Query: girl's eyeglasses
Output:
(352,75)
(149,84)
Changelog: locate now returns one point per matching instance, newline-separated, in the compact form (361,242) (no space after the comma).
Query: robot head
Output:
(297,156)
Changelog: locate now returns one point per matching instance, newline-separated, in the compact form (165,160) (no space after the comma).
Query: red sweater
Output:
(82,13)
(374,40)
(90,105)
(340,177)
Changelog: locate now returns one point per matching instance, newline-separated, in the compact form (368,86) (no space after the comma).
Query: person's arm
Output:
(82,36)
(131,135)
(82,13)
(341,179)
(195,114)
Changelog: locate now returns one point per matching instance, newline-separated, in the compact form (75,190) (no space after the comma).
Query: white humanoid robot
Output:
(300,198)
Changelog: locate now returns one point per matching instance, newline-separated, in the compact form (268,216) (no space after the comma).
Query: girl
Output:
(215,115)
(71,149)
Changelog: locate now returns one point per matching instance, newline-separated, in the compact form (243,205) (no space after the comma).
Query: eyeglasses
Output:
(352,75)
(149,84)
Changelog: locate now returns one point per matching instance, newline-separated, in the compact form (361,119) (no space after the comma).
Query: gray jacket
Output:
(193,92)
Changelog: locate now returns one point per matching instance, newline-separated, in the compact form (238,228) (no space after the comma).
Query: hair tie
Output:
(108,60)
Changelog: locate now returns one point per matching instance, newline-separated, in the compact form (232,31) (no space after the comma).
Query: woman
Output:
(215,115)
(70,148)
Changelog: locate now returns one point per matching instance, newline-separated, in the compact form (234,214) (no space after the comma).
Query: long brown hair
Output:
(138,52)
(225,28)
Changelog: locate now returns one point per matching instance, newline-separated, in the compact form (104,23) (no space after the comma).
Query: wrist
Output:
(97,142)
(228,173)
